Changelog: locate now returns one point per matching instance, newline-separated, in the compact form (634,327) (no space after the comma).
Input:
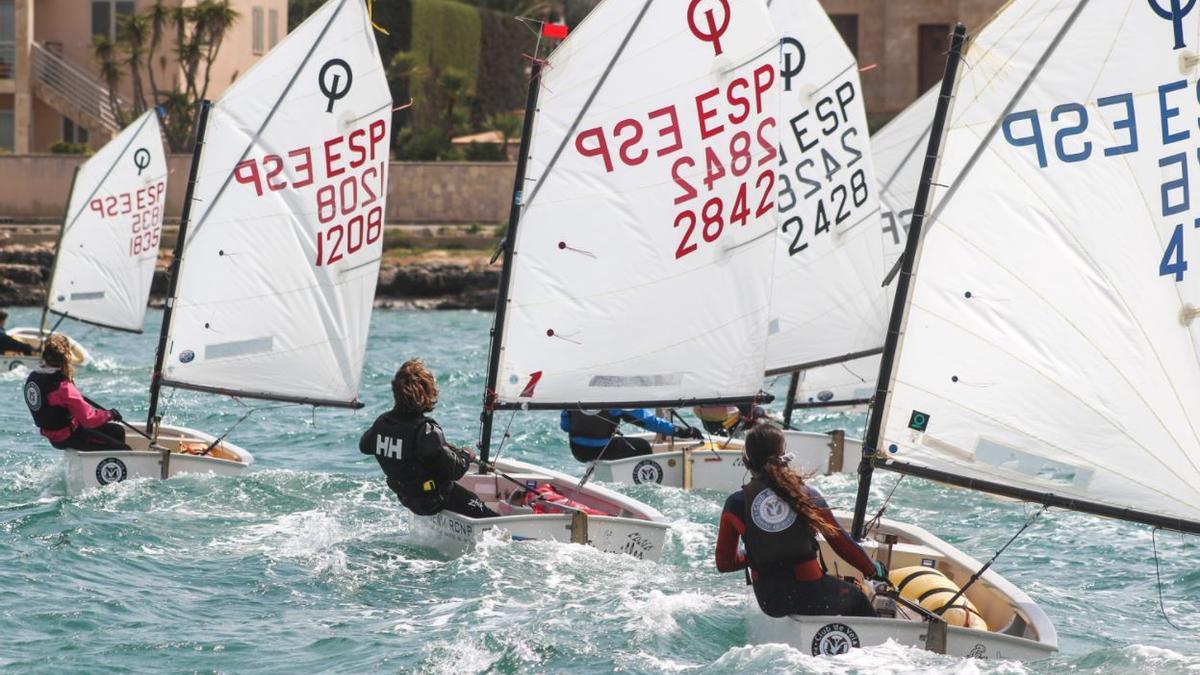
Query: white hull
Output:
(1017,628)
(33,338)
(718,465)
(634,529)
(96,468)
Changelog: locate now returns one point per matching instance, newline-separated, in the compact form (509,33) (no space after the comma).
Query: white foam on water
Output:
(889,658)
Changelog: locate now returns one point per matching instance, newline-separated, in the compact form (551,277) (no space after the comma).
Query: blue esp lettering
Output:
(1179,184)
(1173,263)
(1130,123)
(1166,112)
(1035,133)
(1066,132)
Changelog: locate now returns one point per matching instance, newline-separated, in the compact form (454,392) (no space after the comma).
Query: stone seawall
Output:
(417,283)
(33,188)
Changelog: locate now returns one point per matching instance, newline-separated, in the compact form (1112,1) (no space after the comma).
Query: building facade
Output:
(50,84)
(902,44)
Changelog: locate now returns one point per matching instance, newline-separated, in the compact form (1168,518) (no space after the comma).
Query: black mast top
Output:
(895,323)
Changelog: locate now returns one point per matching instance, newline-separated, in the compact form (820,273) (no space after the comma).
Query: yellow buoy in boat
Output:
(931,589)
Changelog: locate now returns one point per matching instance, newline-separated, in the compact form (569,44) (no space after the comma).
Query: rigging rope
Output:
(1158,582)
(979,573)
(505,437)
(874,522)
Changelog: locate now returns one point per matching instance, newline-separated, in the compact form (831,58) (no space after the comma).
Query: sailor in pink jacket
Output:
(60,411)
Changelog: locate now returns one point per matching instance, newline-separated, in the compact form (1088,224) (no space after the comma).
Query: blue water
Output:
(306,563)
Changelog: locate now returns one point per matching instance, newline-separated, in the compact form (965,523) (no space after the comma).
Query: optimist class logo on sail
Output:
(716,144)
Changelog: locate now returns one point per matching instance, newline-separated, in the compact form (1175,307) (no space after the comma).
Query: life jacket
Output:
(421,488)
(38,387)
(543,498)
(600,424)
(776,537)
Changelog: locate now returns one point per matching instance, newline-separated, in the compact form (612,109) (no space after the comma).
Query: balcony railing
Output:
(78,87)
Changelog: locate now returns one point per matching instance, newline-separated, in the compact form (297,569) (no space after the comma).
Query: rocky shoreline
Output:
(436,280)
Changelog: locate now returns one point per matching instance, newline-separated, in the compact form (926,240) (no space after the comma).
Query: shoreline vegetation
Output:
(424,266)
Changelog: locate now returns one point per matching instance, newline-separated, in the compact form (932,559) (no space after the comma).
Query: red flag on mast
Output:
(558,31)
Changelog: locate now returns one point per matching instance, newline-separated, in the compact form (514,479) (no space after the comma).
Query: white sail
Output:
(282,254)
(1050,340)
(852,380)
(109,245)
(899,152)
(642,259)
(827,301)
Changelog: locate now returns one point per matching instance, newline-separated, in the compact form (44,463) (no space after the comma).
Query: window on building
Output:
(847,26)
(933,41)
(272,28)
(6,129)
(8,38)
(256,30)
(72,132)
(105,14)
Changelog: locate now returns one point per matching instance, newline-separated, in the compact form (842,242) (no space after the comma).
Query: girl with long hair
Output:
(60,412)
(778,516)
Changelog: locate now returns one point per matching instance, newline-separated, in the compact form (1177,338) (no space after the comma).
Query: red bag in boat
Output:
(544,497)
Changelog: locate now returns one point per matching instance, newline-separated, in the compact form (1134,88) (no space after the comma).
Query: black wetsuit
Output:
(421,467)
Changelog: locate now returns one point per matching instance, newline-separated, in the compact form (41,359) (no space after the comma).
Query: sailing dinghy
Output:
(827,307)
(646,173)
(108,244)
(275,266)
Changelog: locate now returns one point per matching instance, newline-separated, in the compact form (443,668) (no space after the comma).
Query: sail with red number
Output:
(109,242)
(281,257)
(828,305)
(640,270)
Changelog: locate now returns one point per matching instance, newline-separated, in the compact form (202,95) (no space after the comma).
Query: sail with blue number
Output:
(1050,335)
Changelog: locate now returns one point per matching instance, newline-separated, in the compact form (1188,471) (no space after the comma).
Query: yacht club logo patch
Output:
(111,470)
(770,513)
(648,471)
(33,396)
(833,639)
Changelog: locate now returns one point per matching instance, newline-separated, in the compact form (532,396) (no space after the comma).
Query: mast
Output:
(173,270)
(62,231)
(908,261)
(510,238)
(790,404)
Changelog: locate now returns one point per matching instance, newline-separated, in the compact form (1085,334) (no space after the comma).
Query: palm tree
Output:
(134,30)
(105,52)
(158,15)
(214,18)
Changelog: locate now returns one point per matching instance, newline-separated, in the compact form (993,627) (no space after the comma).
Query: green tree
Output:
(199,32)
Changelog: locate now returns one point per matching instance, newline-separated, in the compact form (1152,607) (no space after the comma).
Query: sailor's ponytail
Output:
(765,446)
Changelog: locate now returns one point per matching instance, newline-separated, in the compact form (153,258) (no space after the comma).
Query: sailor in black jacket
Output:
(421,467)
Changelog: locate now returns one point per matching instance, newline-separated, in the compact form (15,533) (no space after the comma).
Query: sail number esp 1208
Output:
(346,176)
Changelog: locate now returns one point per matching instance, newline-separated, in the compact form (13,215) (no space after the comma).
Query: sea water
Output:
(306,563)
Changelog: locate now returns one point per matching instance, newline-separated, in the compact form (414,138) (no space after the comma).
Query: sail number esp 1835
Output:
(345,176)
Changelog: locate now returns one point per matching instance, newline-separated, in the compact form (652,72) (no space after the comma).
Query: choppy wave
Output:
(307,563)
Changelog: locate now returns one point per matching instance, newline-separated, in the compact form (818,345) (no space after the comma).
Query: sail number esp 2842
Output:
(730,122)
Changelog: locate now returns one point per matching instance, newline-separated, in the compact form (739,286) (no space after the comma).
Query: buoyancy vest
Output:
(420,487)
(776,537)
(38,386)
(600,424)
